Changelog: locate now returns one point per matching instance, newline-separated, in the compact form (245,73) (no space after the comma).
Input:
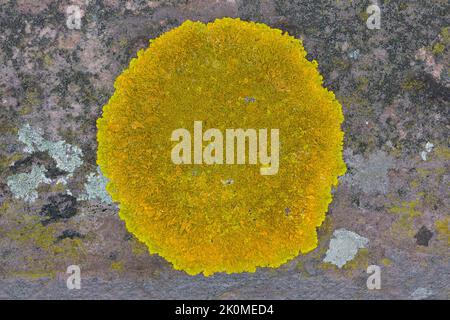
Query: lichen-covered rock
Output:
(226,74)
(393,84)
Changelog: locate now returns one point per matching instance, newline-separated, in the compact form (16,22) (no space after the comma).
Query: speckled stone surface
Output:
(393,84)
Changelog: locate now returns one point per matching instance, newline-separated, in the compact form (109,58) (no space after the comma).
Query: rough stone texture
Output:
(393,84)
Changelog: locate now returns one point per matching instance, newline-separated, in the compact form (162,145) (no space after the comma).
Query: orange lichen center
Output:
(227,74)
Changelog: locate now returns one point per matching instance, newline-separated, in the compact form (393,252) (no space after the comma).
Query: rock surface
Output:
(393,83)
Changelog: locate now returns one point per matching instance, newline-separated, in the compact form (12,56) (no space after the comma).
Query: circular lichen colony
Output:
(222,217)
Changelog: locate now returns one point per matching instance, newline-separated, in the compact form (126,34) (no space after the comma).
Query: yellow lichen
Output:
(358,263)
(210,72)
(117,266)
(46,252)
(386,262)
(407,212)
(438,48)
(137,247)
(443,229)
(408,208)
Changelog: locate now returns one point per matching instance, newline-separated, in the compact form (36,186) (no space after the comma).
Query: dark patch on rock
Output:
(423,236)
(38,158)
(432,89)
(402,192)
(113,256)
(4,192)
(61,206)
(128,236)
(54,172)
(69,233)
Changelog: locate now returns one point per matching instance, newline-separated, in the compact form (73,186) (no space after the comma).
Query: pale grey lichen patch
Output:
(24,185)
(421,293)
(344,246)
(370,175)
(31,138)
(95,188)
(428,148)
(66,156)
